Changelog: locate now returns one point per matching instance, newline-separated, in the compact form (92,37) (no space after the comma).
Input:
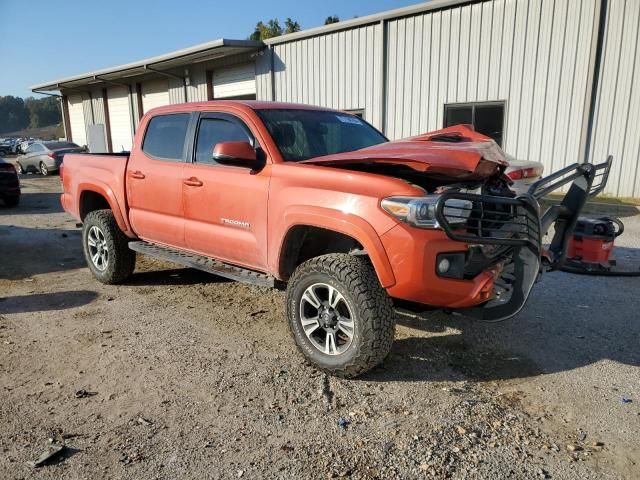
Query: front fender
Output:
(337,221)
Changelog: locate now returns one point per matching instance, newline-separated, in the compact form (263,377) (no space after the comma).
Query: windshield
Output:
(304,134)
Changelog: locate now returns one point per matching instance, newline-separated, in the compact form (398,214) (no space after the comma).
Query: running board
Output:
(203,263)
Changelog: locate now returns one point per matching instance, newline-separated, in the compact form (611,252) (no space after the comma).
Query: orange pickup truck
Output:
(319,202)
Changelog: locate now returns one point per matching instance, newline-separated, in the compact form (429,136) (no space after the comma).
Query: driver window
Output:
(213,131)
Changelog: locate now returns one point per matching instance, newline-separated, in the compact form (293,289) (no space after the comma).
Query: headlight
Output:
(421,211)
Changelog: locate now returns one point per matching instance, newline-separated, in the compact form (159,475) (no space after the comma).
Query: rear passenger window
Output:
(213,131)
(166,135)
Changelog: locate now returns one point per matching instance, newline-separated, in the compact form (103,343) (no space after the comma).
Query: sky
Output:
(39,43)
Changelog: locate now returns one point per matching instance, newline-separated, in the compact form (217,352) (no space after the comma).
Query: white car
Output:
(523,173)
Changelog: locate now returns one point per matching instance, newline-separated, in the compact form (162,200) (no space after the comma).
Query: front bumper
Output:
(413,256)
(500,249)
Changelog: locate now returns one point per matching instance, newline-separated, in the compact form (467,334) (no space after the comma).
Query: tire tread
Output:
(123,260)
(375,308)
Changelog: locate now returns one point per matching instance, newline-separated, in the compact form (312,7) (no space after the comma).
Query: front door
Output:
(154,181)
(225,206)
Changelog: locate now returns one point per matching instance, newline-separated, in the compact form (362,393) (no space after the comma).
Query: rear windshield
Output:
(60,145)
(304,134)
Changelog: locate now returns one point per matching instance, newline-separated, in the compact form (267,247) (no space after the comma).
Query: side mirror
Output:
(240,153)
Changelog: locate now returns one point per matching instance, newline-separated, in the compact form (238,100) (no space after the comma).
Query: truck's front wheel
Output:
(340,316)
(106,248)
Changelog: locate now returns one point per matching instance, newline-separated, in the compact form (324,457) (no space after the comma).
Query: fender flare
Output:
(103,189)
(337,221)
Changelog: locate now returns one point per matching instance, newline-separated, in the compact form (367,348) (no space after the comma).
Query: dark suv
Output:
(9,184)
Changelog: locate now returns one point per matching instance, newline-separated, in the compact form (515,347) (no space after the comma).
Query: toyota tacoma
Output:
(319,202)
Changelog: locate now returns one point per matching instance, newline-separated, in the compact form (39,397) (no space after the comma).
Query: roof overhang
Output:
(197,54)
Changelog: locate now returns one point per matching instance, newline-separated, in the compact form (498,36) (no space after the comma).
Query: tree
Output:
(270,30)
(331,19)
(43,111)
(13,114)
(290,26)
(273,29)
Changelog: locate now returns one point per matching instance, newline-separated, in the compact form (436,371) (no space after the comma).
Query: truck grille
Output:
(490,220)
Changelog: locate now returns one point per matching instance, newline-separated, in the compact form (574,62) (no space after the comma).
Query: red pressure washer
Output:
(590,248)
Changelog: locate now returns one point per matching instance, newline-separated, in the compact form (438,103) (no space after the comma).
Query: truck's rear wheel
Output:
(106,248)
(341,318)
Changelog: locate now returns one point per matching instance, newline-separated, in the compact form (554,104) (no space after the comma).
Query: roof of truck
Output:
(251,104)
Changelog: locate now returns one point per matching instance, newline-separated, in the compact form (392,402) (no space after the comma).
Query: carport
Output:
(102,109)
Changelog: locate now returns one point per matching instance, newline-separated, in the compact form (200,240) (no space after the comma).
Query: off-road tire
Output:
(12,201)
(355,278)
(122,260)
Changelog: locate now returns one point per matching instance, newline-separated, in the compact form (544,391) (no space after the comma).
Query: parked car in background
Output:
(523,173)
(9,184)
(45,157)
(24,145)
(6,146)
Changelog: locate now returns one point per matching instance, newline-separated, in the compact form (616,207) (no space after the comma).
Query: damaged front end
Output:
(507,233)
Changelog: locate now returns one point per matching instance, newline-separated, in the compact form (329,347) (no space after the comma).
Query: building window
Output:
(487,118)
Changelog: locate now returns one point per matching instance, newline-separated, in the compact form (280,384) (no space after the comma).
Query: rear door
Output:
(225,206)
(154,180)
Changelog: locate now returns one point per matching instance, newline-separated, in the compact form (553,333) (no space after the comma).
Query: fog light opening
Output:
(444,265)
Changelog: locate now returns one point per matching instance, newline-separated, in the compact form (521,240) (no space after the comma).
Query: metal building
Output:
(550,80)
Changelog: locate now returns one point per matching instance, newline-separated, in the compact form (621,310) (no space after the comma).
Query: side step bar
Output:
(203,263)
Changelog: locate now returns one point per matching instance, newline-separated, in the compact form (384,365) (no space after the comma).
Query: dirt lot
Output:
(196,377)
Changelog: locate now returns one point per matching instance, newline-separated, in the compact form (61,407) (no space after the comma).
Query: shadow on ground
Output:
(175,276)
(569,322)
(25,252)
(31,203)
(42,302)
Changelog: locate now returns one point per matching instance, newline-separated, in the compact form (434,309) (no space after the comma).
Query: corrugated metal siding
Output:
(176,90)
(532,54)
(337,70)
(263,76)
(617,114)
(197,91)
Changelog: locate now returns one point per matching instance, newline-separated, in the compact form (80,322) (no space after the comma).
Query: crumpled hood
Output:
(454,151)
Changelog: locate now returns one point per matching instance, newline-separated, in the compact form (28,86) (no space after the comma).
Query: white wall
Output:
(616,128)
(338,70)
(532,54)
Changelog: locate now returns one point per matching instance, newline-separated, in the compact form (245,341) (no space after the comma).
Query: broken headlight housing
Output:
(421,211)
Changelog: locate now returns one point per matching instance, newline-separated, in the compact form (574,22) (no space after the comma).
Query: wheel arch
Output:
(93,197)
(337,231)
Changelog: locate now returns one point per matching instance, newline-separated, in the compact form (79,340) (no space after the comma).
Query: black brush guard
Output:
(513,228)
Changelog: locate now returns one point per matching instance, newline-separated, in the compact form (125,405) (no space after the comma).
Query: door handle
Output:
(193,182)
(137,174)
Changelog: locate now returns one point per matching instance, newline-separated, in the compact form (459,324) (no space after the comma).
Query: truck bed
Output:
(103,174)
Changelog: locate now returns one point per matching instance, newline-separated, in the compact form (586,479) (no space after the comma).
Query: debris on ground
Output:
(626,400)
(82,393)
(50,453)
(144,421)
(343,422)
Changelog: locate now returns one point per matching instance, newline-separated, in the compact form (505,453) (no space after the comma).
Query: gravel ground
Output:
(197,377)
